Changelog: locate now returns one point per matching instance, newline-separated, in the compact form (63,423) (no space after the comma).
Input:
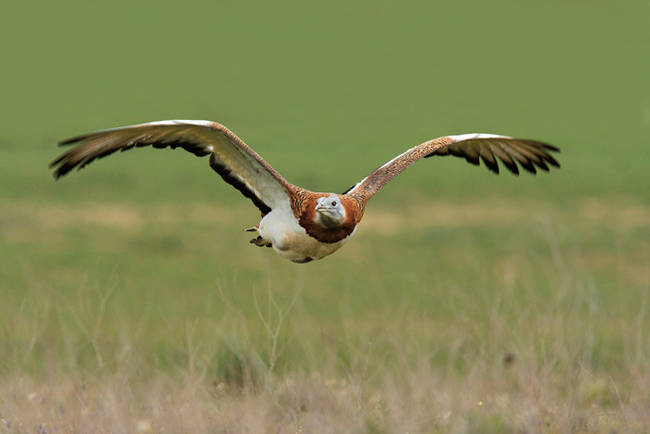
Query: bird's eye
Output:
(334,203)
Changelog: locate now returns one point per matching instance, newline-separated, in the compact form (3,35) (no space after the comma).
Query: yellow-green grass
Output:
(501,314)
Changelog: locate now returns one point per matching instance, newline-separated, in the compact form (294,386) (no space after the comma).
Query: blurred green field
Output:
(466,302)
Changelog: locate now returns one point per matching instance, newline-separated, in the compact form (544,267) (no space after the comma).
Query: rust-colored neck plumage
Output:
(303,204)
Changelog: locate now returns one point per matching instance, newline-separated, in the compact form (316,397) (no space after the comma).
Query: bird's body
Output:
(282,230)
(298,224)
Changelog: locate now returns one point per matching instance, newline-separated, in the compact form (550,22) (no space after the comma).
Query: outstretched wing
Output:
(473,147)
(237,163)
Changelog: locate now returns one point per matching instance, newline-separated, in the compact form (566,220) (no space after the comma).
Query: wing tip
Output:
(551,147)
(58,172)
(75,139)
(69,141)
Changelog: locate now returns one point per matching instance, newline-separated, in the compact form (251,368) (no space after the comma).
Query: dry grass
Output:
(535,373)
(491,398)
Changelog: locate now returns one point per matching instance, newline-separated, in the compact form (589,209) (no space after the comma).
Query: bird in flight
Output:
(300,225)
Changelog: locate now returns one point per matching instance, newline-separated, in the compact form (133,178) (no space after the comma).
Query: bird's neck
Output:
(304,209)
(327,221)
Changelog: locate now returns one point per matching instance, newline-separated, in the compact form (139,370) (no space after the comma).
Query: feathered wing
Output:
(529,154)
(237,163)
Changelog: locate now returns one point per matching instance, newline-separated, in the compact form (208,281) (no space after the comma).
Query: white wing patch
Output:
(178,122)
(356,185)
(387,163)
(208,124)
(461,137)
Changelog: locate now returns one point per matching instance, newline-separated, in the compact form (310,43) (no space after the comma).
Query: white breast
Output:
(290,240)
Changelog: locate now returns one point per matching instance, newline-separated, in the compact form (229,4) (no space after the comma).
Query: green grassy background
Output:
(128,264)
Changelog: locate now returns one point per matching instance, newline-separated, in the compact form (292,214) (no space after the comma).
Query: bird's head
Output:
(330,211)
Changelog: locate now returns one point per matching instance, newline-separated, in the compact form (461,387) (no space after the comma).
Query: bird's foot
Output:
(260,242)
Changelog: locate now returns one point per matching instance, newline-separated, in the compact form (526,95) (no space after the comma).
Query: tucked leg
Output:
(260,242)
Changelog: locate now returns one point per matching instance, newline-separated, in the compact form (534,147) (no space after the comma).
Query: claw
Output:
(260,242)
